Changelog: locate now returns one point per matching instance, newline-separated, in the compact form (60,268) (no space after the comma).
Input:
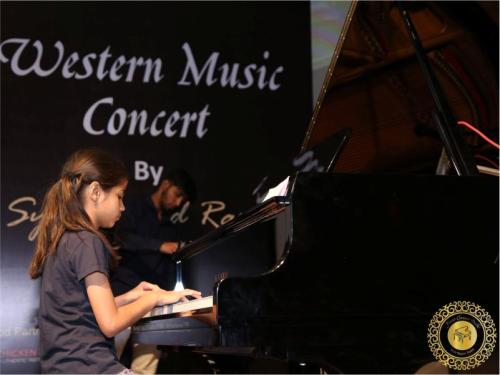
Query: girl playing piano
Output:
(78,313)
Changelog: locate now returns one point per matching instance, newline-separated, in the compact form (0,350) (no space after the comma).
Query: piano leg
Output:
(184,360)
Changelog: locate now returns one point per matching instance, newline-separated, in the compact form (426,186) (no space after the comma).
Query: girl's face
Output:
(110,206)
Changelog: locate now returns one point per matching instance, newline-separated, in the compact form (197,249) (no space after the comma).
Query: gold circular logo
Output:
(461,335)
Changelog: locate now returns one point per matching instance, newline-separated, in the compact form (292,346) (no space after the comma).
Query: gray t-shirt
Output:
(70,338)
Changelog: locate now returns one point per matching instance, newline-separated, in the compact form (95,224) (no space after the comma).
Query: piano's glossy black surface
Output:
(369,259)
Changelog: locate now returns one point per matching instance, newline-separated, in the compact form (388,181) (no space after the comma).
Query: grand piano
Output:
(343,272)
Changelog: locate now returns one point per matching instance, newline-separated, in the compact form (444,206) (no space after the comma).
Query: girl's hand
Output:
(133,295)
(145,286)
(167,297)
(140,289)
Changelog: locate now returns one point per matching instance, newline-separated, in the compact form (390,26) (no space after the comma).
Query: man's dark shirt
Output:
(140,234)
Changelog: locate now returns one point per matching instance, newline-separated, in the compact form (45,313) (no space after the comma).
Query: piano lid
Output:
(375,86)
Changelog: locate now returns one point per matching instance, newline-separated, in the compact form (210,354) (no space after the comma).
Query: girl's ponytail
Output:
(62,208)
(45,225)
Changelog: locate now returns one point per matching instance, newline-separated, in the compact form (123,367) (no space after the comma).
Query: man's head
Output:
(176,188)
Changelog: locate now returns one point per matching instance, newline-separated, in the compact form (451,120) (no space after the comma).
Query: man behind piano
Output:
(147,238)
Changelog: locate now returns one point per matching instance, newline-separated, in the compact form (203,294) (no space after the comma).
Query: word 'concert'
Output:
(139,123)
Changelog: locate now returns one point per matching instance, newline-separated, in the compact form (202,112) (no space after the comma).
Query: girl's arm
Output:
(112,318)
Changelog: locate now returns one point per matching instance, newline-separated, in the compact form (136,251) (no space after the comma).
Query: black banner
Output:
(220,89)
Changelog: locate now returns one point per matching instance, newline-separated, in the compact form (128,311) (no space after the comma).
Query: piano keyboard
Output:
(195,304)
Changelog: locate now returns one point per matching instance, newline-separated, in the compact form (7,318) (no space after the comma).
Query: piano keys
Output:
(201,304)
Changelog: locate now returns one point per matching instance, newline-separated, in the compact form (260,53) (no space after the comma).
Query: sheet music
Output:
(279,190)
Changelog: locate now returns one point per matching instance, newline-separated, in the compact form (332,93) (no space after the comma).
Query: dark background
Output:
(251,132)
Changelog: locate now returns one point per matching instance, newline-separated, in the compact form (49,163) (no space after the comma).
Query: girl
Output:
(78,314)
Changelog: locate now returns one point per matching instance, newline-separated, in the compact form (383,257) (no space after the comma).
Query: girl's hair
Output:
(62,208)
